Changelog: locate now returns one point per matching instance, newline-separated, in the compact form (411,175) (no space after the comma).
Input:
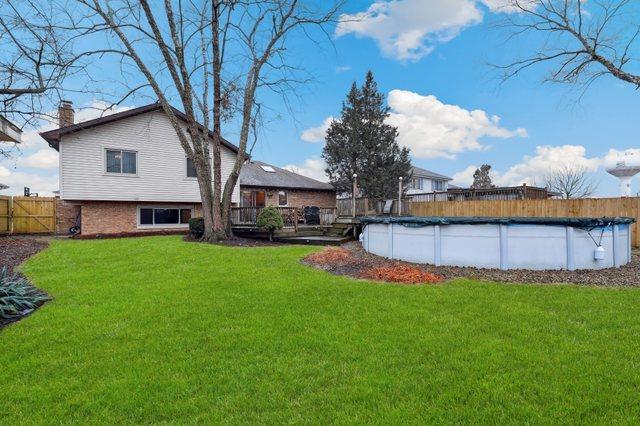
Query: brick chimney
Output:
(65,114)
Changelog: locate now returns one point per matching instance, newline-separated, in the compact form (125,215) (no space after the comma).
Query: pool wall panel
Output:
(513,246)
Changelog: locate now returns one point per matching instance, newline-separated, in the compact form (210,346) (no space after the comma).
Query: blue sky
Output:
(430,58)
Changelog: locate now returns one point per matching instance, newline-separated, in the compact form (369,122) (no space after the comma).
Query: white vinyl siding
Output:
(161,166)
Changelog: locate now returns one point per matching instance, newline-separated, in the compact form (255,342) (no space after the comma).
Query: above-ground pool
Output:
(505,243)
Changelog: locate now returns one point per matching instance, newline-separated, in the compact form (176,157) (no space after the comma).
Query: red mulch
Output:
(399,273)
(331,256)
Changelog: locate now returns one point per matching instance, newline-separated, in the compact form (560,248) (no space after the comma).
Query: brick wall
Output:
(116,217)
(298,198)
(66,213)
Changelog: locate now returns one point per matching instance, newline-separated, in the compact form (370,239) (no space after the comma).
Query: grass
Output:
(159,330)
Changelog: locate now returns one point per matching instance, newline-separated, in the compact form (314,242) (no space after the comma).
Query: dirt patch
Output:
(359,261)
(239,242)
(15,250)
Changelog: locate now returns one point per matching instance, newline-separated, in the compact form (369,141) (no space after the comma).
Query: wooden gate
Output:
(27,215)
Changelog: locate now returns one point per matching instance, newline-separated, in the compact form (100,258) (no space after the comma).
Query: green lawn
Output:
(159,330)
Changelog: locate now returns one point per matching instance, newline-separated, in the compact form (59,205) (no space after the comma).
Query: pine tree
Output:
(482,178)
(361,142)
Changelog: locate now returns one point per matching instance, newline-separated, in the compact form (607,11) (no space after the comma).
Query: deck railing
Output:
(368,207)
(291,216)
(523,192)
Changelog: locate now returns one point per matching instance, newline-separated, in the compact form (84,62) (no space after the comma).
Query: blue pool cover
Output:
(420,221)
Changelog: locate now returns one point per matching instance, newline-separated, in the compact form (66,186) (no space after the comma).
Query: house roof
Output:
(9,132)
(53,136)
(420,172)
(253,174)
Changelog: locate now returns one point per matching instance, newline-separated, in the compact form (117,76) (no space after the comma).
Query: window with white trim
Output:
(191,169)
(161,216)
(282,198)
(438,185)
(415,183)
(119,161)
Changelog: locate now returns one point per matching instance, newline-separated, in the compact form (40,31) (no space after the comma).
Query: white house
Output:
(425,181)
(127,173)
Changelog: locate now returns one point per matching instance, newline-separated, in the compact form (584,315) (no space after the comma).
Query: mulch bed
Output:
(239,242)
(355,262)
(15,250)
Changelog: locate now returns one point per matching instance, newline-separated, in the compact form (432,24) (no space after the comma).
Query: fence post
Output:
(400,196)
(353,195)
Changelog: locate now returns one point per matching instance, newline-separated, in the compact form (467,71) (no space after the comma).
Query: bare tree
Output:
(585,40)
(262,32)
(571,182)
(211,56)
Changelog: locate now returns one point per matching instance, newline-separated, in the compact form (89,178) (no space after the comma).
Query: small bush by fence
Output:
(587,207)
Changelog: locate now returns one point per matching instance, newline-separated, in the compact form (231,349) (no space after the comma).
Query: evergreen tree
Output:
(482,178)
(361,142)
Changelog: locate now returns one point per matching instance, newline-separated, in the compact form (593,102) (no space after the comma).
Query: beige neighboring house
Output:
(11,133)
(127,172)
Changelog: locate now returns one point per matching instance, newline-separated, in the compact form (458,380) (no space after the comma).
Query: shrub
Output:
(18,296)
(270,219)
(196,227)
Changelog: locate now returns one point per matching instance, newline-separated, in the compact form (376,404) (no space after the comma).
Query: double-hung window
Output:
(162,217)
(438,185)
(121,162)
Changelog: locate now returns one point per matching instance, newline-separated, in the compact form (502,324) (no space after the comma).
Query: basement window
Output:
(164,216)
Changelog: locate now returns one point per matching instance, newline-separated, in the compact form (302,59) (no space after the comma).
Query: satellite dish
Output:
(625,169)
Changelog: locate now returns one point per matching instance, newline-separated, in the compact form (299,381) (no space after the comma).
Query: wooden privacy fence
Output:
(587,207)
(27,215)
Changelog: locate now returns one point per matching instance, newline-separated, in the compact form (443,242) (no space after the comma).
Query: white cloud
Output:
(433,129)
(17,180)
(343,68)
(631,156)
(46,158)
(317,134)
(311,167)
(410,29)
(505,6)
(464,177)
(533,169)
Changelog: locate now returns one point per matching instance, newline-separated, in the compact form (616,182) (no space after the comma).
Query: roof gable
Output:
(420,172)
(53,136)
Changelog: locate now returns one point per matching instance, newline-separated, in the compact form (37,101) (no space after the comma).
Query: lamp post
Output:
(353,195)
(400,196)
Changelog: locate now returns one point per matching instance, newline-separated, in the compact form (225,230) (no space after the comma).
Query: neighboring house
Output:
(127,172)
(9,133)
(426,181)
(263,184)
